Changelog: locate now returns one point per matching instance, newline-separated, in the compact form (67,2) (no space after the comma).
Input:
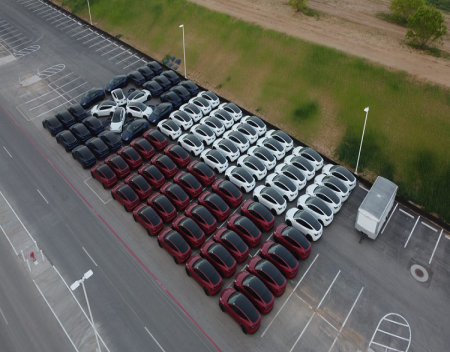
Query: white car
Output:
(202,103)
(247,130)
(263,154)
(224,117)
(232,109)
(275,147)
(139,110)
(294,174)
(303,164)
(281,137)
(215,124)
(212,98)
(193,111)
(239,139)
(327,195)
(117,120)
(191,143)
(119,97)
(305,222)
(105,108)
(241,178)
(139,96)
(334,184)
(215,160)
(182,119)
(256,123)
(270,198)
(311,155)
(284,185)
(169,128)
(317,207)
(204,133)
(253,165)
(341,173)
(227,148)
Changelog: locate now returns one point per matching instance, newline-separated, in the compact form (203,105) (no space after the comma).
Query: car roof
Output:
(204,168)
(271,270)
(274,194)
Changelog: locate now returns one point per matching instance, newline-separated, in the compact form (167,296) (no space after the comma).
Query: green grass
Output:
(440,4)
(306,89)
(388,17)
(431,50)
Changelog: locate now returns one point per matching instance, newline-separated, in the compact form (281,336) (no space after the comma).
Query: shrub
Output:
(427,26)
(298,5)
(403,9)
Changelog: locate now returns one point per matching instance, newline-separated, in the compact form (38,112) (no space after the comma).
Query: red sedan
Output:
(233,243)
(293,240)
(118,165)
(269,274)
(125,195)
(255,290)
(176,195)
(189,229)
(205,274)
(156,139)
(178,155)
(280,257)
(202,217)
(202,172)
(162,206)
(189,183)
(215,205)
(219,257)
(165,165)
(139,185)
(228,192)
(240,309)
(245,228)
(175,245)
(143,147)
(148,219)
(259,214)
(152,174)
(131,157)
(104,175)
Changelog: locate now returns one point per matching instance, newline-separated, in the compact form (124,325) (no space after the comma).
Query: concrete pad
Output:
(30,80)
(7,59)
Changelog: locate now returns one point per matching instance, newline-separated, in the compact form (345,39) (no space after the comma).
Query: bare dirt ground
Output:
(347,25)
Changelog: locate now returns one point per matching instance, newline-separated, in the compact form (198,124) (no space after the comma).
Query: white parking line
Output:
(3,315)
(430,227)
(59,96)
(364,188)
(73,35)
(329,288)
(125,59)
(5,29)
(123,52)
(53,17)
(56,107)
(89,256)
(132,63)
(162,349)
(93,190)
(387,222)
(411,232)
(40,8)
(434,250)
(42,196)
(103,47)
(90,40)
(17,40)
(1,228)
(65,19)
(84,36)
(6,150)
(64,28)
(406,213)
(49,14)
(42,12)
(74,28)
(91,46)
(117,47)
(298,339)
(406,324)
(14,36)
(1,36)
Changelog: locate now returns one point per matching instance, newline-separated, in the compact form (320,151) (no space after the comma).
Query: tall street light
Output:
(89,8)
(357,163)
(184,51)
(73,287)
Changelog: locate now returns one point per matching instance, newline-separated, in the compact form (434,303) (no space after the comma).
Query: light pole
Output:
(184,51)
(89,8)
(73,287)
(357,163)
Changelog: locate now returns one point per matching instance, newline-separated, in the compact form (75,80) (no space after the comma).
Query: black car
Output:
(162,111)
(67,140)
(53,125)
(84,156)
(190,86)
(111,139)
(154,88)
(146,72)
(66,119)
(171,97)
(119,81)
(94,125)
(134,129)
(77,112)
(163,82)
(155,67)
(80,132)
(98,147)
(91,97)
(172,77)
(137,78)
(181,92)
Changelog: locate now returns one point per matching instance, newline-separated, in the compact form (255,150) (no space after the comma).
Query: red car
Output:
(176,195)
(104,175)
(245,228)
(205,274)
(118,165)
(268,274)
(202,217)
(293,240)
(189,183)
(139,185)
(162,206)
(259,214)
(202,172)
(240,309)
(215,205)
(165,165)
(156,139)
(131,156)
(255,290)
(178,155)
(219,257)
(280,257)
(233,243)
(175,245)
(152,174)
(189,229)
(228,192)
(125,195)
(143,147)
(149,220)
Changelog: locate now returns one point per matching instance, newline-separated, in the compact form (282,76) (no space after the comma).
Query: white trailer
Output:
(375,208)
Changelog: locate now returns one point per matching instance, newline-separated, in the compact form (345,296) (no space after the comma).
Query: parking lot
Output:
(346,297)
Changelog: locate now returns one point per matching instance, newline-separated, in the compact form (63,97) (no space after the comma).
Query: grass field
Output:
(315,93)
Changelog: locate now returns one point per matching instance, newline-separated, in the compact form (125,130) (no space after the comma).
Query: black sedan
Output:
(80,132)
(155,67)
(66,119)
(91,97)
(182,93)
(93,125)
(111,139)
(119,81)
(172,77)
(77,112)
(162,111)
(154,88)
(190,86)
(134,129)
(137,78)
(163,82)
(98,147)
(146,72)
(53,125)
(67,140)
(171,97)
(84,156)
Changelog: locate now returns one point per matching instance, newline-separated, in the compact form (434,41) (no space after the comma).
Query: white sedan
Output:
(253,165)
(140,96)
(327,195)
(204,133)
(241,178)
(117,120)
(303,164)
(263,154)
(239,139)
(224,117)
(334,184)
(214,123)
(270,198)
(119,97)
(227,148)
(232,109)
(169,128)
(294,174)
(256,123)
(311,155)
(305,222)
(182,119)
(281,137)
(341,173)
(193,111)
(105,108)
(215,160)
(275,147)
(139,110)
(191,143)
(212,98)
(202,103)
(283,185)
(317,207)
(247,130)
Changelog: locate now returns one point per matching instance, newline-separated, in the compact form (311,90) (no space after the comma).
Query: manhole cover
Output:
(419,273)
